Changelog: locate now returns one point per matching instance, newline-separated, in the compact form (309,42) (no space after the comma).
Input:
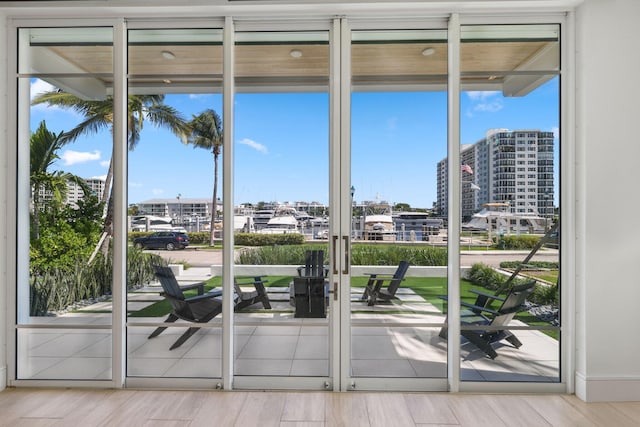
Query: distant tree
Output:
(98,115)
(133,210)
(206,132)
(402,207)
(43,152)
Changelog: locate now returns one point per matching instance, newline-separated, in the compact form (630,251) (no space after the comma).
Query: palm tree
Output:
(98,115)
(206,132)
(43,149)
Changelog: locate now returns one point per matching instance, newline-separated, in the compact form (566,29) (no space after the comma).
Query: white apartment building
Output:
(178,207)
(75,192)
(515,167)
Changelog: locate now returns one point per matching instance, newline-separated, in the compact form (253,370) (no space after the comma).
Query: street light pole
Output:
(179,208)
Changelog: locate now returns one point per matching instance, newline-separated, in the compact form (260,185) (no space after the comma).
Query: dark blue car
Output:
(168,240)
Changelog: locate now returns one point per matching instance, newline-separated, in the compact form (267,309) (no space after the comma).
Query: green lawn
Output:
(429,288)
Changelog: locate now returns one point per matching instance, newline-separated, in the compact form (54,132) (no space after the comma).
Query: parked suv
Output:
(168,240)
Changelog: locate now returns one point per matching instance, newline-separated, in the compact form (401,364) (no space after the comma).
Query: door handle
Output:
(334,291)
(347,261)
(335,262)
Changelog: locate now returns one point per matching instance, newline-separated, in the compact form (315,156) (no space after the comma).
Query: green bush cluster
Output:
(487,277)
(544,295)
(393,254)
(278,255)
(360,255)
(58,287)
(524,241)
(257,239)
(552,265)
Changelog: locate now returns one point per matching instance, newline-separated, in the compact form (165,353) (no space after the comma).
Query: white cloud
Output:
(157,191)
(71,157)
(105,163)
(486,101)
(135,184)
(489,107)
(40,86)
(255,145)
(198,95)
(481,95)
(556,132)
(102,177)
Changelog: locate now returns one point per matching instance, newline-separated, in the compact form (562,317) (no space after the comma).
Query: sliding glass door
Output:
(330,222)
(281,201)
(398,245)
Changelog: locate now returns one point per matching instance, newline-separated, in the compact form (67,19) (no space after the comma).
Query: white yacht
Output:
(261,218)
(416,225)
(152,223)
(283,221)
(499,218)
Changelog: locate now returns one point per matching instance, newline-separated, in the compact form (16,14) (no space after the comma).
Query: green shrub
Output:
(392,255)
(360,255)
(544,295)
(551,265)
(56,288)
(277,255)
(485,276)
(525,241)
(257,239)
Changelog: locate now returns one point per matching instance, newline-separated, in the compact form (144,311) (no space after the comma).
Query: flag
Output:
(467,168)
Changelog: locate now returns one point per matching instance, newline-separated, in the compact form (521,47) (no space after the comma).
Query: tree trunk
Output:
(107,214)
(215,201)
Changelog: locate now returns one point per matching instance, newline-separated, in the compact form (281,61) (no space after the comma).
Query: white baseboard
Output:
(607,389)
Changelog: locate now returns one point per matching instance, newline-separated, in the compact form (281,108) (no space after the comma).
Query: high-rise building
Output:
(514,167)
(75,192)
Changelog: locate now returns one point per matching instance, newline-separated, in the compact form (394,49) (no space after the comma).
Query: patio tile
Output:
(195,368)
(382,368)
(30,367)
(269,347)
(374,347)
(277,330)
(209,346)
(146,367)
(83,368)
(312,347)
(276,367)
(310,367)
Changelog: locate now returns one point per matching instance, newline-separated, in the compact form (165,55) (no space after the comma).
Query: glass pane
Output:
(174,189)
(281,191)
(509,164)
(64,266)
(398,132)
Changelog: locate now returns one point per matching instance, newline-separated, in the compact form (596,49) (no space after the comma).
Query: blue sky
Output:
(281,144)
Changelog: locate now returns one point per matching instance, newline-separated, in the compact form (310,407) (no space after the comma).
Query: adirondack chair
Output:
(374,290)
(480,314)
(246,298)
(308,292)
(197,309)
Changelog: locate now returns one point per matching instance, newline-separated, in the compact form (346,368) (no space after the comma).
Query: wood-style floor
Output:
(78,407)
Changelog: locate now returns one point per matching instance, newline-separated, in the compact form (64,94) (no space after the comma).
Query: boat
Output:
(153,223)
(284,221)
(416,225)
(261,218)
(499,218)
(243,224)
(378,227)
